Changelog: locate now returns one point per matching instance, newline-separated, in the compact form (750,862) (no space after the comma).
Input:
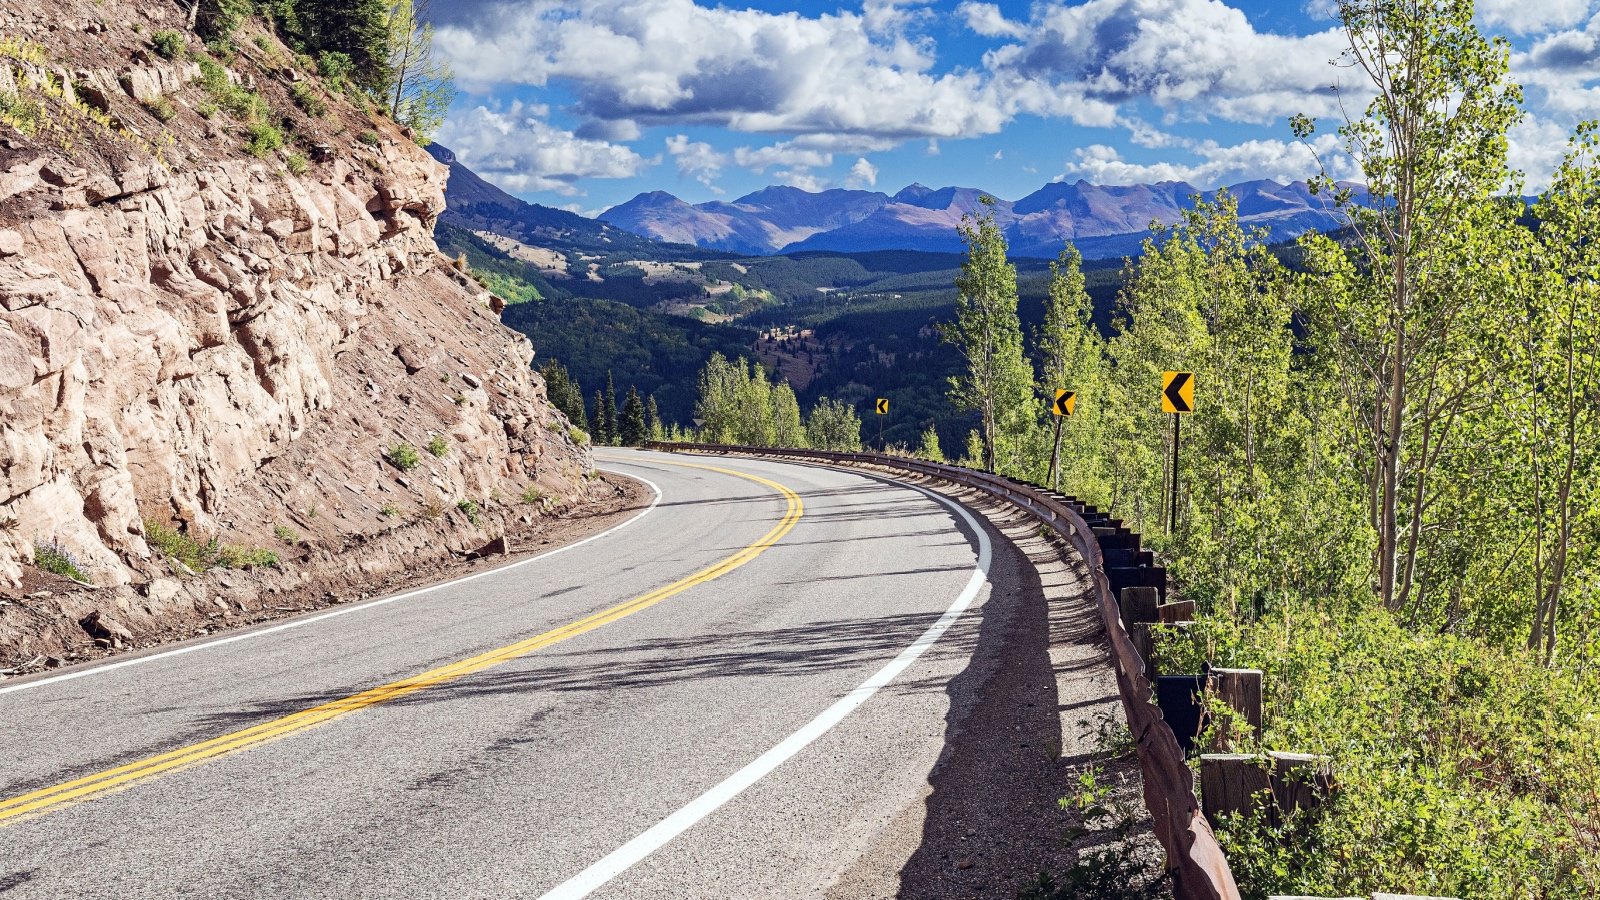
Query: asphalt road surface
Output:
(727,696)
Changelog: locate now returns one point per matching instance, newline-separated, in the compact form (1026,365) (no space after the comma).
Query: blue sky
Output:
(585,104)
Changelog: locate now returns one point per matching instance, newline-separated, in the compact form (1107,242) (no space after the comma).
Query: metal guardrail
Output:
(1198,867)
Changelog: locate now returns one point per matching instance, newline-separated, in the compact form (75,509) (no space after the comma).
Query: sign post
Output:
(883,412)
(1177,397)
(1063,406)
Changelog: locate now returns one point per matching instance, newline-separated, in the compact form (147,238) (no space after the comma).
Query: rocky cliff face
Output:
(229,345)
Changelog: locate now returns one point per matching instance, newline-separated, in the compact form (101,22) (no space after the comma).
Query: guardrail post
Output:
(1176,611)
(1240,689)
(1237,783)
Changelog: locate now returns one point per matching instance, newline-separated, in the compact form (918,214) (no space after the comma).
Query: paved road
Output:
(745,732)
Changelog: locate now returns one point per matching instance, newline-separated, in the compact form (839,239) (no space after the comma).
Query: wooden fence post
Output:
(1240,689)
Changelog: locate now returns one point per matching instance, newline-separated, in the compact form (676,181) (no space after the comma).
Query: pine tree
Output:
(929,448)
(613,429)
(632,429)
(566,394)
(998,380)
(601,431)
(652,420)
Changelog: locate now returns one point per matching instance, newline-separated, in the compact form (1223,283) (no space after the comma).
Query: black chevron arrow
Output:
(1061,403)
(1174,391)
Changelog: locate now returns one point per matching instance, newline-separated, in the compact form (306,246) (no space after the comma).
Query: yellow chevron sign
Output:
(1177,392)
(883,406)
(1066,401)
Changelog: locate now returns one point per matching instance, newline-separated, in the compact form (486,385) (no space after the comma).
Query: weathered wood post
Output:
(1176,611)
(1240,690)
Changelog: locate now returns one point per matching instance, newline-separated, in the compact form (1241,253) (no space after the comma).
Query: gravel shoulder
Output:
(1036,708)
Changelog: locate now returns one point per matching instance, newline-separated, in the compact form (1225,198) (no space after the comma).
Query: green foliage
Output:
(998,380)
(1464,770)
(531,494)
(389,511)
(368,137)
(169,44)
(53,556)
(216,20)
(162,109)
(296,164)
(20,112)
(833,425)
(334,67)
(929,448)
(437,446)
(286,534)
(262,139)
(309,99)
(421,85)
(471,509)
(631,429)
(403,456)
(239,102)
(565,393)
(199,554)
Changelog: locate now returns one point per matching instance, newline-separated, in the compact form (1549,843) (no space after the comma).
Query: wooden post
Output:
(1235,783)
(1230,784)
(1240,689)
(1138,605)
(1300,781)
(1176,611)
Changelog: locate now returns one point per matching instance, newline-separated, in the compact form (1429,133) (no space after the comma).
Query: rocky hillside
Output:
(223,317)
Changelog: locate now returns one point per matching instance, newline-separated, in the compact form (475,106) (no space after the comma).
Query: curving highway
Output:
(730,695)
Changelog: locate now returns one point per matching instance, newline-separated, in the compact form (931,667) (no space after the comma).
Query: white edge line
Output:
(370,604)
(619,860)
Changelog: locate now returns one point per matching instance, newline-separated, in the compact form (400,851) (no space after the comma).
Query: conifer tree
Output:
(652,420)
(632,430)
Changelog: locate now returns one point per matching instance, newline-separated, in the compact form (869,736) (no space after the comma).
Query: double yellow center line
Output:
(90,786)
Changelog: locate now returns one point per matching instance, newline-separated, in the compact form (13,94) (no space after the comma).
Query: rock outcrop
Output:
(231,346)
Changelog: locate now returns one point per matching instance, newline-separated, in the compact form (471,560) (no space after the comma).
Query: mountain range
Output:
(1102,220)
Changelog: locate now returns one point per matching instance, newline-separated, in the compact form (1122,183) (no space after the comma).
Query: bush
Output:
(198,555)
(231,97)
(207,109)
(297,164)
(370,138)
(53,556)
(286,534)
(306,97)
(437,446)
(334,67)
(234,557)
(577,435)
(262,139)
(404,457)
(21,113)
(162,109)
(169,44)
(470,508)
(532,495)
(389,511)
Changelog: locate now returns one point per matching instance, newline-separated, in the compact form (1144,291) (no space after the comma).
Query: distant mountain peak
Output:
(1106,219)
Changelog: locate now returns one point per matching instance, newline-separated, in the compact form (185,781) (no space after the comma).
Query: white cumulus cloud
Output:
(697,160)
(862,175)
(519,151)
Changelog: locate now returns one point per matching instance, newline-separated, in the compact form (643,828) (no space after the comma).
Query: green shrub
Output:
(263,43)
(470,508)
(577,435)
(297,164)
(169,44)
(532,495)
(389,511)
(286,534)
(231,556)
(52,556)
(262,139)
(207,109)
(437,446)
(404,457)
(306,97)
(1464,769)
(241,103)
(20,112)
(194,554)
(370,138)
(334,67)
(162,109)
